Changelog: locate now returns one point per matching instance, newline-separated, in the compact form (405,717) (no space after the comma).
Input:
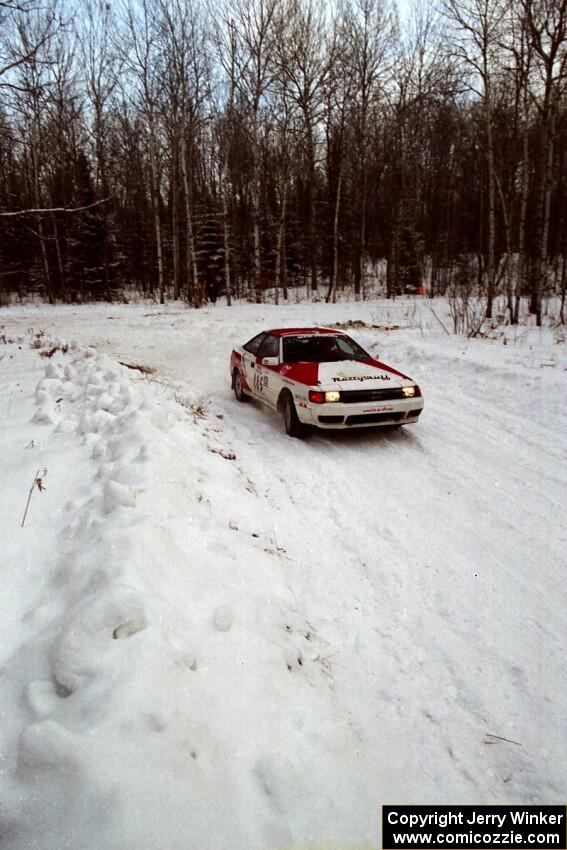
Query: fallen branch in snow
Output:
(37,482)
(324,664)
(145,370)
(500,738)
(439,320)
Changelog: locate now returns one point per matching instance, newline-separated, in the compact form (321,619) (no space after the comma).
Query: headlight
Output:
(332,395)
(409,392)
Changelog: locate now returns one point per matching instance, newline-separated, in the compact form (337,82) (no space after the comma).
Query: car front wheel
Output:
(237,384)
(293,426)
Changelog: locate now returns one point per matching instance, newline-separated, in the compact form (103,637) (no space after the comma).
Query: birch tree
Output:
(144,64)
(370,33)
(252,28)
(477,41)
(306,53)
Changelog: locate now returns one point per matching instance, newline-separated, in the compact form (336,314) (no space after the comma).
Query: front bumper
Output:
(335,415)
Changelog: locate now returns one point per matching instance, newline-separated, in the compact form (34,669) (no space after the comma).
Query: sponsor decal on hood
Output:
(351,374)
(382,377)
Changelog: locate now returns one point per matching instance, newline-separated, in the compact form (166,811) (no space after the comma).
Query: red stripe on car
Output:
(244,383)
(379,365)
(303,373)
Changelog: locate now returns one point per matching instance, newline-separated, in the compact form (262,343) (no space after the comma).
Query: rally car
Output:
(321,377)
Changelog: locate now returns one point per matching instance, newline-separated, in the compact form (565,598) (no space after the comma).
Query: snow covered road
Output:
(311,628)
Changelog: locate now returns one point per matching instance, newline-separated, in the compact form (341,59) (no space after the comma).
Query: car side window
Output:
(270,347)
(254,344)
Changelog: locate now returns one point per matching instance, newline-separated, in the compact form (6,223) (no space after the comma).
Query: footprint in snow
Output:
(118,495)
(223,618)
(46,745)
(43,696)
(279,781)
(86,644)
(155,722)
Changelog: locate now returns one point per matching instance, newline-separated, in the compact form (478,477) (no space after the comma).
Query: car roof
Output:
(298,331)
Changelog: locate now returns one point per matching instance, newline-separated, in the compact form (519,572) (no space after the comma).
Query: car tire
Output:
(293,426)
(237,386)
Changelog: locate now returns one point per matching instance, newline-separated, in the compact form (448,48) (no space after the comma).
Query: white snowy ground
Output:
(215,637)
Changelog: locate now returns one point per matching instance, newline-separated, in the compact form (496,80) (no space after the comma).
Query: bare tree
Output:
(517,66)
(15,51)
(250,68)
(546,25)
(478,40)
(30,81)
(185,46)
(143,61)
(283,117)
(420,77)
(225,122)
(306,53)
(370,32)
(101,70)
(339,90)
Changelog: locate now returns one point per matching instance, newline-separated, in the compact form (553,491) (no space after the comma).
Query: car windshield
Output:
(321,349)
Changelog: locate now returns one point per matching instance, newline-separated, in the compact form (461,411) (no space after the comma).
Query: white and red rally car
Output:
(323,378)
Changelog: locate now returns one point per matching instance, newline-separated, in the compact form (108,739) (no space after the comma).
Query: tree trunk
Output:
(157,210)
(226,231)
(522,265)
(191,257)
(360,277)
(311,210)
(280,256)
(563,290)
(490,264)
(256,234)
(101,163)
(175,218)
(548,188)
(508,238)
(539,269)
(332,294)
(60,264)
(40,230)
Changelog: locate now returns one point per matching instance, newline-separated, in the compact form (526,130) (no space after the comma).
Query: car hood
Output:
(359,375)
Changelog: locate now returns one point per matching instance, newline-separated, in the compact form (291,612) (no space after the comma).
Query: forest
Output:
(249,148)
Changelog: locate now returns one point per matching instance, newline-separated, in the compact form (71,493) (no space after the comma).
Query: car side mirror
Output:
(270,361)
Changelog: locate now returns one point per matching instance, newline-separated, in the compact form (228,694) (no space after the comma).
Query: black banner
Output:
(463,827)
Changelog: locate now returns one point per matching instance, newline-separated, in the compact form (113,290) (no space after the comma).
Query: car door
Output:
(265,377)
(248,363)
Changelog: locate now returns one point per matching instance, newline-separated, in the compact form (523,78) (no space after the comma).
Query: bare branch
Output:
(57,209)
